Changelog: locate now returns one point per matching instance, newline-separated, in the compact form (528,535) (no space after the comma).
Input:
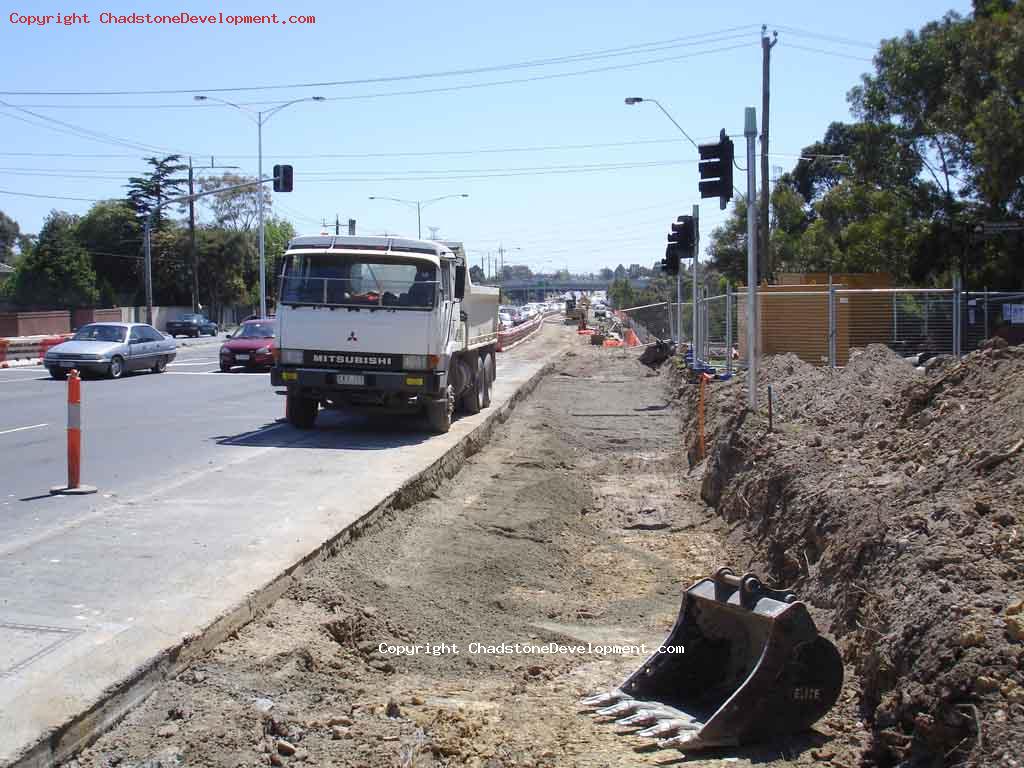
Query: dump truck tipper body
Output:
(383,324)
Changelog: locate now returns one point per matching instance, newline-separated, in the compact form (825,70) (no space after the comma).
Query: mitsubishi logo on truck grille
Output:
(352,336)
(381,362)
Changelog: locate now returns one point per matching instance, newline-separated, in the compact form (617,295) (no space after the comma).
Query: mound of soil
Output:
(890,498)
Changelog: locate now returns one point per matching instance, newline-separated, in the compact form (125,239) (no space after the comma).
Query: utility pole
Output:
(766,267)
(148,273)
(337,224)
(753,327)
(192,236)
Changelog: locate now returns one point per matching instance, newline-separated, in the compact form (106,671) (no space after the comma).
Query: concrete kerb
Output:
(118,700)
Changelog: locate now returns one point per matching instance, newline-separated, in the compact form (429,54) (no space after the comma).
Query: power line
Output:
(828,53)
(81,132)
(535,78)
(49,197)
(373,155)
(584,56)
(830,38)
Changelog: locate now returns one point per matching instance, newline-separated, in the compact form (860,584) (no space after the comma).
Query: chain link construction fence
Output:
(821,324)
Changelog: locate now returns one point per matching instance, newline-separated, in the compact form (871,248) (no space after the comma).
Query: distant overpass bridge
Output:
(525,290)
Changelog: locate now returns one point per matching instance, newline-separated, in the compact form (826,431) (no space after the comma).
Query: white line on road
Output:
(211,361)
(191,373)
(21,429)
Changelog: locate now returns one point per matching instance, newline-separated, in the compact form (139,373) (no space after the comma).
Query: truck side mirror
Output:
(460,281)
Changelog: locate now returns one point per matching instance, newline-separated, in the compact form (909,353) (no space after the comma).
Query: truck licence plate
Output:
(350,380)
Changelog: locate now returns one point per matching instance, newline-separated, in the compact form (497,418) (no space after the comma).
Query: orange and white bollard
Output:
(74,485)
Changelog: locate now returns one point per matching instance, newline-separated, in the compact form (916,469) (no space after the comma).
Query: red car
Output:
(252,346)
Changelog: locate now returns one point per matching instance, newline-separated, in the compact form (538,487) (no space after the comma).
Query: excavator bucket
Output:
(742,664)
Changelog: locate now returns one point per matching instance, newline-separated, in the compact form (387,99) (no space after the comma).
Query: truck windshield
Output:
(351,280)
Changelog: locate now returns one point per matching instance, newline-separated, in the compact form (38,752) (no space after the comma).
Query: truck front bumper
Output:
(326,381)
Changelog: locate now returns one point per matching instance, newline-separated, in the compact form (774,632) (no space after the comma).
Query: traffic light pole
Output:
(753,328)
(696,258)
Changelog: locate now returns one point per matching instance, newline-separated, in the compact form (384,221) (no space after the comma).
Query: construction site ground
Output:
(888,498)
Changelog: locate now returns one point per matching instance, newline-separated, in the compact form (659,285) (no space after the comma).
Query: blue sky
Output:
(546,203)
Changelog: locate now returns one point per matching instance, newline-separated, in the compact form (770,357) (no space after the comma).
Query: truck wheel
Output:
(487,377)
(301,411)
(439,413)
(471,400)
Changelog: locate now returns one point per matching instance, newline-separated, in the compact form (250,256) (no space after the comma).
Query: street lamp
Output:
(260,117)
(631,101)
(420,205)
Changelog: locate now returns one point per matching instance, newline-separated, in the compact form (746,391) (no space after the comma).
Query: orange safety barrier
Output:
(74,485)
(586,331)
(74,429)
(612,343)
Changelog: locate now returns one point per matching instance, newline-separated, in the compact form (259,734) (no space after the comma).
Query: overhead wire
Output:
(79,131)
(531,63)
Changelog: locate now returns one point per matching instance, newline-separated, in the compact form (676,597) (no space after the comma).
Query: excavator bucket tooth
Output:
(667,728)
(602,699)
(743,663)
(627,707)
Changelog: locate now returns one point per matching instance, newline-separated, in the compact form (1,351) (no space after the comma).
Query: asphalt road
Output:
(138,432)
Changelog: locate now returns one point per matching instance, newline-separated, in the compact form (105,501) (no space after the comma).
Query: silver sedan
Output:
(112,349)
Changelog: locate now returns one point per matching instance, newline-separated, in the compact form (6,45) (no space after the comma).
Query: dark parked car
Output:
(252,346)
(192,325)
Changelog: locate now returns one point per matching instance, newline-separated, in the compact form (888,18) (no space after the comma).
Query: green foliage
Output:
(112,234)
(149,192)
(57,272)
(10,235)
(277,234)
(476,274)
(621,293)
(237,209)
(938,149)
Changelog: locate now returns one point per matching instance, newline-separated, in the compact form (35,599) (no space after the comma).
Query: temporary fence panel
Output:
(909,321)
(651,322)
(985,314)
(715,325)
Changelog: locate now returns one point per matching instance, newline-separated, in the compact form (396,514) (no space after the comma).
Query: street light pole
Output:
(259,207)
(259,118)
(420,205)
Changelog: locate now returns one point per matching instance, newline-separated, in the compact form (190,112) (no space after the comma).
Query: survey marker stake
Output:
(74,487)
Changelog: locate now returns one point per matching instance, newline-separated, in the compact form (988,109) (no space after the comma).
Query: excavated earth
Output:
(891,498)
(579,522)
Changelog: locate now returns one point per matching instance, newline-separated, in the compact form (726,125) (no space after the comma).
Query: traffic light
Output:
(681,241)
(716,170)
(282,178)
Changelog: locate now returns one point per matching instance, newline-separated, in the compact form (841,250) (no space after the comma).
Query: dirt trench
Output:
(892,500)
(574,525)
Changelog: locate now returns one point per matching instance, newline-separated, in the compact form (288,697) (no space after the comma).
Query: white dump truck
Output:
(385,325)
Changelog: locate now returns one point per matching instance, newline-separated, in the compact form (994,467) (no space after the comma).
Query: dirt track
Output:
(576,524)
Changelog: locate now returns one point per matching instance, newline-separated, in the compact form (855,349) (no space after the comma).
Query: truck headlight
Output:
(419,362)
(290,356)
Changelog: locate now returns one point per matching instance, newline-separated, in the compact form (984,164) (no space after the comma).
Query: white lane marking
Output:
(21,429)
(211,361)
(191,373)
